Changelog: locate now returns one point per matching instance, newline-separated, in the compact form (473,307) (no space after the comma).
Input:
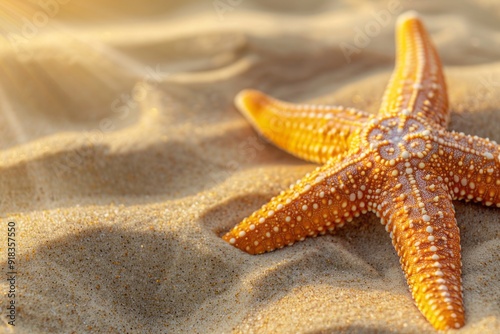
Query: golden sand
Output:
(123,160)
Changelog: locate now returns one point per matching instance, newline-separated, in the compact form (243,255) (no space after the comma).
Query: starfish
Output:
(401,164)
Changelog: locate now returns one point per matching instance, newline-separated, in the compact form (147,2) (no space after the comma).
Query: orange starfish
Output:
(401,164)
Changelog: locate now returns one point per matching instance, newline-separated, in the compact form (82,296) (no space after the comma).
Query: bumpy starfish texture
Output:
(402,164)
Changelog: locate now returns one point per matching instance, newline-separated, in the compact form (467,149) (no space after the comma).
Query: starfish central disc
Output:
(393,138)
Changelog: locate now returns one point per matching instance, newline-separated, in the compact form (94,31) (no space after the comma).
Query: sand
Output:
(123,161)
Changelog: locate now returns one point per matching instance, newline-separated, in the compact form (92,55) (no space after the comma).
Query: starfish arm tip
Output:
(250,102)
(240,98)
(407,16)
(245,94)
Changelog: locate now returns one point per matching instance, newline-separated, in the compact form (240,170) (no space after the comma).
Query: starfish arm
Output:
(314,133)
(324,199)
(471,166)
(417,85)
(418,213)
